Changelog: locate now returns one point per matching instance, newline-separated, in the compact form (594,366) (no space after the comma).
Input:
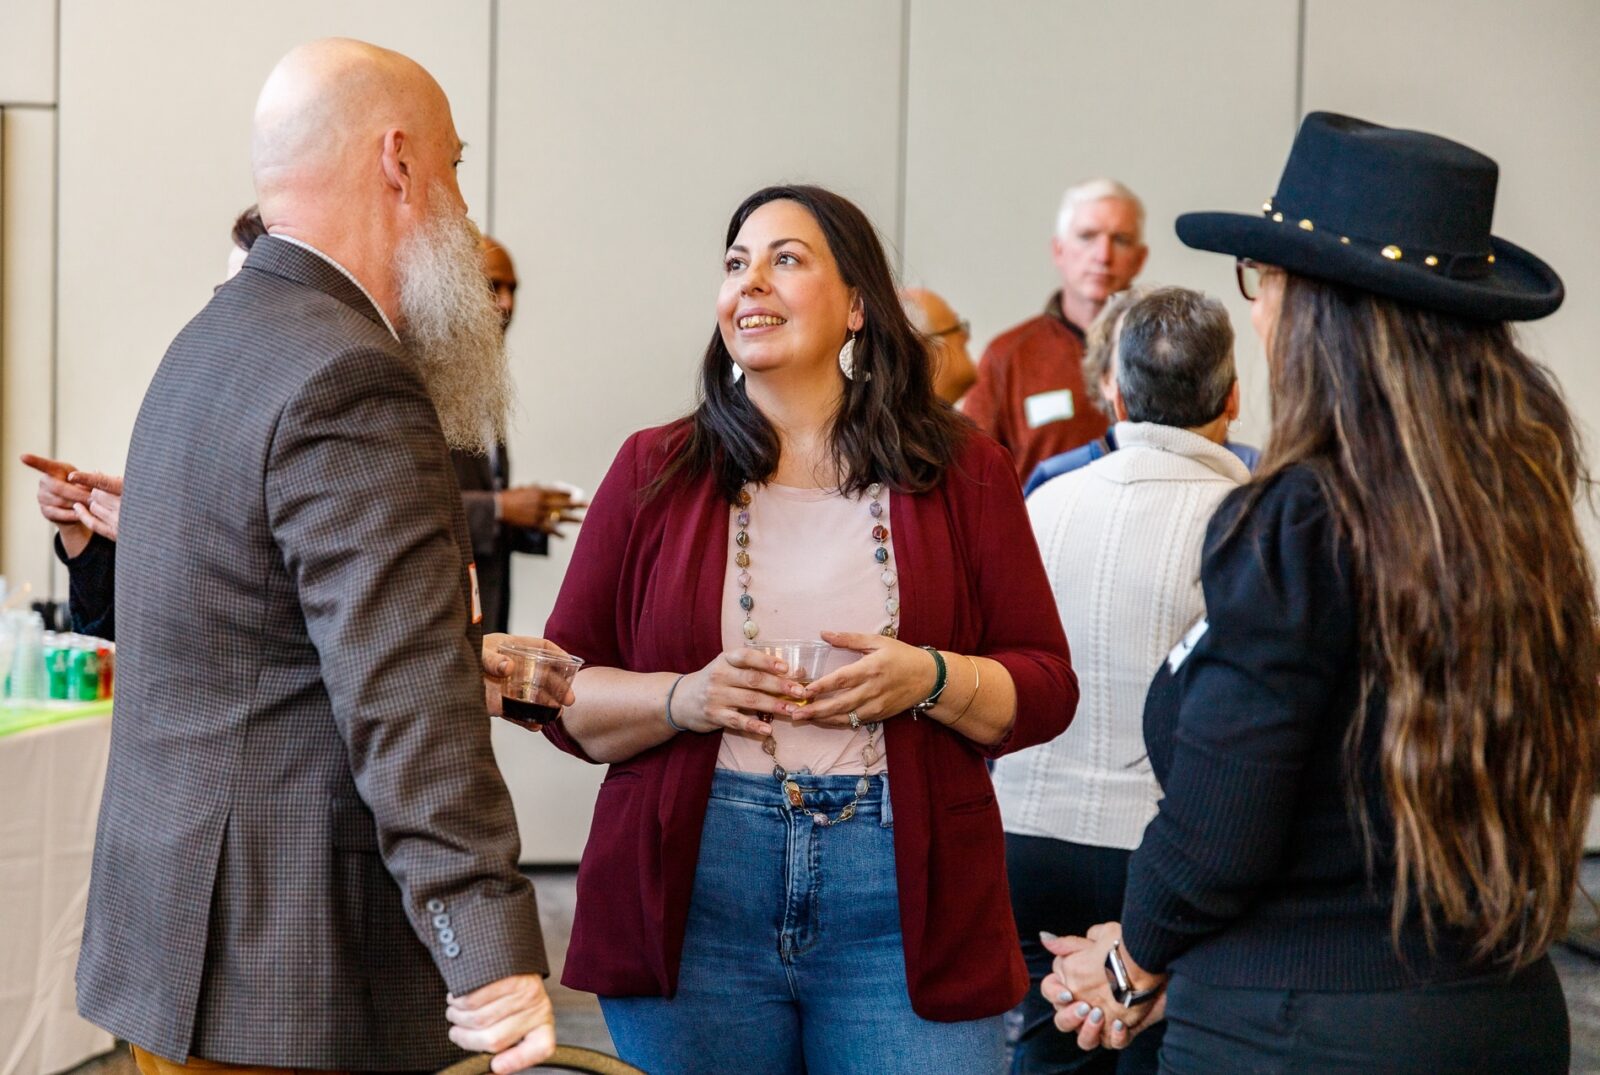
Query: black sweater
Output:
(1253,872)
(92,587)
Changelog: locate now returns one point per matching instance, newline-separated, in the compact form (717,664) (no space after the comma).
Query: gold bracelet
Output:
(977,681)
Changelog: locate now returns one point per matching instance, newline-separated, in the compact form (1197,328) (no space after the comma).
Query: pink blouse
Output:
(811,569)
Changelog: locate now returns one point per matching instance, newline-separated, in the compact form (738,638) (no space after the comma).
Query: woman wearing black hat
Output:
(1378,750)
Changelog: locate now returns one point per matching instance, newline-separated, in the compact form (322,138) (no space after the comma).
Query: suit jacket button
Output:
(441,921)
(435,906)
(452,950)
(447,936)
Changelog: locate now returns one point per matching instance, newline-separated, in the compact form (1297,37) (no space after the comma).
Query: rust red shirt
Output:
(1030,394)
(644,592)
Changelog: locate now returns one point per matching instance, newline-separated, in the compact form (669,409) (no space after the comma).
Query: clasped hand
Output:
(541,507)
(742,689)
(1078,989)
(79,502)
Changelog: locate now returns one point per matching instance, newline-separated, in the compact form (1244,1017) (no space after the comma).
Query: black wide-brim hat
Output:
(1399,213)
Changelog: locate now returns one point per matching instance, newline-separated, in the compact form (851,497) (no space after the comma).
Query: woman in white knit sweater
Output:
(1121,542)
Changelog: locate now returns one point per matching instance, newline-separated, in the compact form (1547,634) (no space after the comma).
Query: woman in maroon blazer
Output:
(805,877)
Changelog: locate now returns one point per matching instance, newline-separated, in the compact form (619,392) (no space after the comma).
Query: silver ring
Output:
(855,720)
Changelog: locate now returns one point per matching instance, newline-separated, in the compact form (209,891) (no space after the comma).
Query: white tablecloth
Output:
(50,780)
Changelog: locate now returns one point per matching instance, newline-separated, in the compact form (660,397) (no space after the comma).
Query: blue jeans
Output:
(792,958)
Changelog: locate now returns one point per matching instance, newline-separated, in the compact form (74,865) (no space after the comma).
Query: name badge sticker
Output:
(477,602)
(1047,407)
(1181,651)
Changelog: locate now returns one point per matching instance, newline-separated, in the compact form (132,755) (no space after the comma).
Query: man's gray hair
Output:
(1174,357)
(1095,190)
(1100,344)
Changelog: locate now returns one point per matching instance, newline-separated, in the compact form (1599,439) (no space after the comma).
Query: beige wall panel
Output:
(28,51)
(1192,105)
(155,165)
(27,264)
(626,139)
(1520,83)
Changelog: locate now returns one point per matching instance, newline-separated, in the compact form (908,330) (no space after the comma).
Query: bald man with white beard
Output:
(306,856)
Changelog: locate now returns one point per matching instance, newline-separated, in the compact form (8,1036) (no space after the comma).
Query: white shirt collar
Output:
(302,244)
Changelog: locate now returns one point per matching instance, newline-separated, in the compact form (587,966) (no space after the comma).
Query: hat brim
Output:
(1519,287)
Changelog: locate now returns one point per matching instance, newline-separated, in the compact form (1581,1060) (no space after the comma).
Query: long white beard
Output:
(449,320)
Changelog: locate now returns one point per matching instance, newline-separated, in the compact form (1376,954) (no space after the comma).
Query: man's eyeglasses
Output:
(1249,273)
(963,326)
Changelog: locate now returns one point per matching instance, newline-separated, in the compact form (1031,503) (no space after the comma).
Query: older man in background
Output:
(948,335)
(306,857)
(503,518)
(1030,394)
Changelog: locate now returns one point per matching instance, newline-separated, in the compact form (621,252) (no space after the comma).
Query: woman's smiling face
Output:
(783,303)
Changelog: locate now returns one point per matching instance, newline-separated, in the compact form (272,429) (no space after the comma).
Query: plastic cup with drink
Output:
(532,693)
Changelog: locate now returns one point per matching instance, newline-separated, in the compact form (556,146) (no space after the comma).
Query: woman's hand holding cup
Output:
(497,667)
(740,690)
(891,677)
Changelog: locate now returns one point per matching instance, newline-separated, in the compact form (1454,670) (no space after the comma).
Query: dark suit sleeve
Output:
(92,587)
(532,542)
(360,498)
(481,523)
(1251,696)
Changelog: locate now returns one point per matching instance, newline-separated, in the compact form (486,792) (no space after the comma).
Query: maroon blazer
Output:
(644,592)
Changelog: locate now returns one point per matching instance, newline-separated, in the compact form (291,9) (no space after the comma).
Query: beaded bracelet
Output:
(674,725)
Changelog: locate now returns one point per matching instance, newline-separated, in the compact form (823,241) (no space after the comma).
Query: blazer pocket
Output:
(351,826)
(617,777)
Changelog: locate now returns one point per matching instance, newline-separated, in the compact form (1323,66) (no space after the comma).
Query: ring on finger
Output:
(855,719)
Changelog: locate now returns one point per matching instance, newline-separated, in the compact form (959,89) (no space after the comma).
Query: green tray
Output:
(15,719)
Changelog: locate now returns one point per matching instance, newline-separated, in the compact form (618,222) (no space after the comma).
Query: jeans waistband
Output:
(827,792)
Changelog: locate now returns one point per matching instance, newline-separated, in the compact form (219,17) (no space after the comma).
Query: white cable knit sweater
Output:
(1121,542)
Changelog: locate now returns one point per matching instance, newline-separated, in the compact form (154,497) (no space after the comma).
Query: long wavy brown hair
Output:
(890,427)
(1453,468)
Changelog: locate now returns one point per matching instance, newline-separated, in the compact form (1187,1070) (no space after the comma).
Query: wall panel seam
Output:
(494,115)
(902,161)
(1300,66)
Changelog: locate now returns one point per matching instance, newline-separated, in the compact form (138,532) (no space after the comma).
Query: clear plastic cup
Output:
(531,694)
(804,657)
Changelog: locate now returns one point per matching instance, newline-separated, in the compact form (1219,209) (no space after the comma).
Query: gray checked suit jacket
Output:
(304,839)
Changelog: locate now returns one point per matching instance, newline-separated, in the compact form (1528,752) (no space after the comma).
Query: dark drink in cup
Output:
(532,693)
(527,714)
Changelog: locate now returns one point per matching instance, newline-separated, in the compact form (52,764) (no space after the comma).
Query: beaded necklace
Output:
(880,553)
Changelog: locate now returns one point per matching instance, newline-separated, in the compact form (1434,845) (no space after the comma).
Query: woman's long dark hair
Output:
(1454,470)
(889,428)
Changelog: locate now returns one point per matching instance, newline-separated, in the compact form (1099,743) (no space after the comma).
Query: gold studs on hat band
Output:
(1453,265)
